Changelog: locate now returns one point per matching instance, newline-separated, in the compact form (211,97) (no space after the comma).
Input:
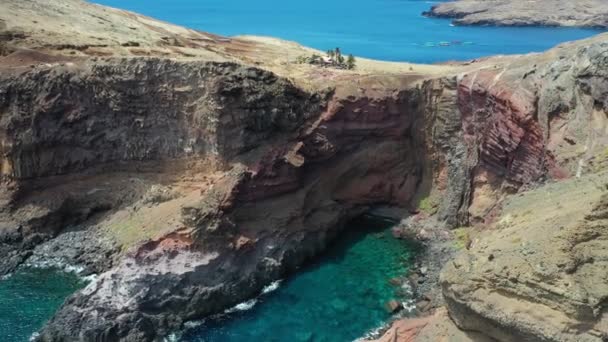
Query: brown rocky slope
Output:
(199,172)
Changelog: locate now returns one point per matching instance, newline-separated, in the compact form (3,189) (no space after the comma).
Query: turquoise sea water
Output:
(29,297)
(382,29)
(339,297)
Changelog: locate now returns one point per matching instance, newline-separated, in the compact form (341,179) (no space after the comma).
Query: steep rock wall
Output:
(538,274)
(259,221)
(64,119)
(66,127)
(293,168)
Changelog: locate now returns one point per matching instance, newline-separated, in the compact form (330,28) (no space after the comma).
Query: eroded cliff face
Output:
(272,171)
(64,119)
(275,208)
(68,127)
(470,138)
(191,183)
(534,270)
(538,273)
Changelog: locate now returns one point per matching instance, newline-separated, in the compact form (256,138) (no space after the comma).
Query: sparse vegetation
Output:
(428,205)
(516,240)
(598,163)
(333,59)
(351,63)
(462,238)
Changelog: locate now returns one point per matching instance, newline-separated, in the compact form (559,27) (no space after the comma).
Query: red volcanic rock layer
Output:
(271,176)
(499,121)
(346,127)
(170,243)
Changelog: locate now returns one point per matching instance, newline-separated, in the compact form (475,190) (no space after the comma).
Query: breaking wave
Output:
(244,306)
(271,287)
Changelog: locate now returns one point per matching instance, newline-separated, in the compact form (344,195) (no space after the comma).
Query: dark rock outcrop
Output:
(67,118)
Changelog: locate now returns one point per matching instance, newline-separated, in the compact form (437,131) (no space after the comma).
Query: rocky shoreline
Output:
(191,170)
(585,13)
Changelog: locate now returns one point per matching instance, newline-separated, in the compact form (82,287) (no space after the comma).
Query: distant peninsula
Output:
(580,13)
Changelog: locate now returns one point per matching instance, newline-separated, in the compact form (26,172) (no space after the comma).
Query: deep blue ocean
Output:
(391,30)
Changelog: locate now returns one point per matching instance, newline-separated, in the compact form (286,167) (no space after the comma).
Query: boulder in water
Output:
(393,306)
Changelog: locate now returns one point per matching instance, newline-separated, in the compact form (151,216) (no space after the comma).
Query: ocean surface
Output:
(391,30)
(29,297)
(338,298)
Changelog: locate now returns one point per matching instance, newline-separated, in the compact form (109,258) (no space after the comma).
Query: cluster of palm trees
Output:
(334,58)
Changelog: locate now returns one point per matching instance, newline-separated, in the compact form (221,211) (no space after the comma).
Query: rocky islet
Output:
(583,13)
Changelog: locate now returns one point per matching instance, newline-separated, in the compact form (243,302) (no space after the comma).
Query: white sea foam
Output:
(171,338)
(247,305)
(90,278)
(271,287)
(60,264)
(55,263)
(374,333)
(193,324)
(34,336)
(409,306)
(244,306)
(74,269)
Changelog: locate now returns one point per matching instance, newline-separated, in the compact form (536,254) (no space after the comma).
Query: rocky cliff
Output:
(532,266)
(189,170)
(540,274)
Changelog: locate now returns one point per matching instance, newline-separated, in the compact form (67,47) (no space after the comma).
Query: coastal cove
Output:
(391,30)
(232,179)
(342,293)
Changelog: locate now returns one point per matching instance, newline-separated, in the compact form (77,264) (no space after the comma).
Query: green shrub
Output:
(428,205)
(462,238)
(336,60)
(351,63)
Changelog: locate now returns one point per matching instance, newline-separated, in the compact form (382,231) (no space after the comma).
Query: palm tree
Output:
(350,62)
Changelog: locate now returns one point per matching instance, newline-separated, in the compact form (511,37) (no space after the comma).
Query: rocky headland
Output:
(582,13)
(189,170)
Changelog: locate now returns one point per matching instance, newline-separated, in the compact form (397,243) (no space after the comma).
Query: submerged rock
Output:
(393,306)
